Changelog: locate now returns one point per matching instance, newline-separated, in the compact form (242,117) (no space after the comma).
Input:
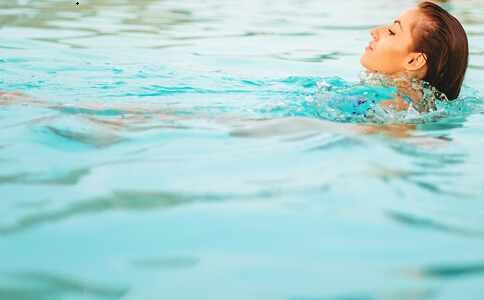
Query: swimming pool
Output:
(184,160)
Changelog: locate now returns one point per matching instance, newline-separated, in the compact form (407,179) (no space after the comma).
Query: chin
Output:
(363,62)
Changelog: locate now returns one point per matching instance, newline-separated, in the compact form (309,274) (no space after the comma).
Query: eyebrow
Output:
(396,21)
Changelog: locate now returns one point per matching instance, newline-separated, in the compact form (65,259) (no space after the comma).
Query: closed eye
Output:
(391,32)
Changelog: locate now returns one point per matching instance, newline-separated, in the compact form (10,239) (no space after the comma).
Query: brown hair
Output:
(442,39)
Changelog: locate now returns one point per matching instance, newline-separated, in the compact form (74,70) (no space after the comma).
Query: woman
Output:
(425,49)
(425,42)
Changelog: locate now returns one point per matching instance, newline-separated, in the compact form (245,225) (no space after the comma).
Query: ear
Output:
(416,61)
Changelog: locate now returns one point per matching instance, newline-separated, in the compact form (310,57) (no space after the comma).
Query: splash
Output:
(362,102)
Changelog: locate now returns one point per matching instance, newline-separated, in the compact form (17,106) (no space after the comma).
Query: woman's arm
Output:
(9,98)
(250,128)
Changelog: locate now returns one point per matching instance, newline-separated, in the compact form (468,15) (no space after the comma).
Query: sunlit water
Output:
(208,150)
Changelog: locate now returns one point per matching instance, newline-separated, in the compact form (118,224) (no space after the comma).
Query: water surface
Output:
(181,156)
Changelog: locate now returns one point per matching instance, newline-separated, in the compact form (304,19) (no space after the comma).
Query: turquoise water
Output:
(194,150)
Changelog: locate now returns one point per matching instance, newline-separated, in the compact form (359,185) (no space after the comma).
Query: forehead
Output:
(409,17)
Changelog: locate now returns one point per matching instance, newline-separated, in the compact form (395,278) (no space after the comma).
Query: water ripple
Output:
(117,200)
(44,286)
(422,294)
(428,222)
(449,270)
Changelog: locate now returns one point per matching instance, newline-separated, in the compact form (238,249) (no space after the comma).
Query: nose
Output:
(373,33)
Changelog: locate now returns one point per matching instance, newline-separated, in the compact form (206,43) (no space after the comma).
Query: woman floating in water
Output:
(420,58)
(425,47)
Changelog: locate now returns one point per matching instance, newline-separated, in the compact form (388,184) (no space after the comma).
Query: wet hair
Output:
(439,36)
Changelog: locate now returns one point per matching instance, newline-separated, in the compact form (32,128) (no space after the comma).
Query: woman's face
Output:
(390,48)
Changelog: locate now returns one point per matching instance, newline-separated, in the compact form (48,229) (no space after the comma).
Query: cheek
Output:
(385,50)
(390,56)
(393,51)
